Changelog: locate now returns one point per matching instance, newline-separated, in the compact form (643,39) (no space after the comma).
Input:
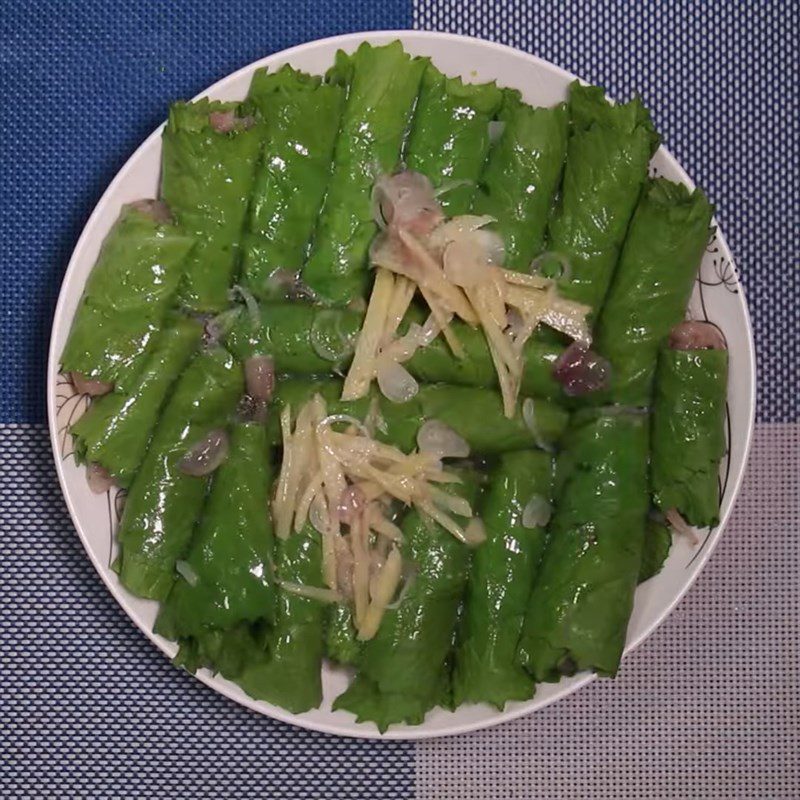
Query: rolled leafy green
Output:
(657,544)
(522,176)
(583,595)
(382,85)
(449,137)
(116,429)
(688,434)
(301,116)
(226,575)
(208,160)
(288,675)
(652,283)
(164,501)
(474,414)
(607,157)
(500,583)
(437,363)
(302,339)
(126,297)
(306,340)
(341,640)
(402,669)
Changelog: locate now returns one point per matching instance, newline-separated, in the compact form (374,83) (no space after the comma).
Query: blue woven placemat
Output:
(91,709)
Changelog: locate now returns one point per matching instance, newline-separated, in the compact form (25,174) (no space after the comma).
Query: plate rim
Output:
(367,730)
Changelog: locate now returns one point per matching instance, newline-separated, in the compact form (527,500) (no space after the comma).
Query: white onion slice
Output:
(396,382)
(529,418)
(336,350)
(184,569)
(206,455)
(405,200)
(547,257)
(537,512)
(250,302)
(98,478)
(318,514)
(342,419)
(441,440)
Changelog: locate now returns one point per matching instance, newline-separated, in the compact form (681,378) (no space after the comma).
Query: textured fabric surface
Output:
(708,707)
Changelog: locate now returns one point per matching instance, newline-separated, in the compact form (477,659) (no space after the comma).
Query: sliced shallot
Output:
(98,478)
(694,335)
(529,418)
(93,388)
(259,373)
(537,512)
(206,455)
(406,200)
(157,210)
(580,370)
(222,121)
(396,382)
(441,440)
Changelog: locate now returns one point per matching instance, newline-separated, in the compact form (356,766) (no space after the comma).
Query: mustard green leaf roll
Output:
(522,175)
(652,284)
(401,669)
(688,433)
(474,414)
(301,116)
(117,427)
(341,640)
(164,502)
(607,157)
(382,85)
(226,576)
(307,340)
(288,673)
(449,137)
(500,582)
(582,598)
(657,544)
(126,297)
(208,160)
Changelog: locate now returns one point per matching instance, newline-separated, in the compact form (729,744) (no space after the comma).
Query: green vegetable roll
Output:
(474,414)
(449,138)
(652,284)
(226,575)
(500,582)
(522,176)
(306,340)
(401,670)
(688,434)
(164,500)
(382,87)
(208,160)
(289,676)
(116,429)
(607,157)
(583,595)
(657,544)
(301,117)
(341,640)
(302,339)
(127,295)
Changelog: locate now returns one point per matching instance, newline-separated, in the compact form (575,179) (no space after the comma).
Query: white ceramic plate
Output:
(717,297)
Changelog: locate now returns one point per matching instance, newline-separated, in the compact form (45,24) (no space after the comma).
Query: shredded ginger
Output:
(336,476)
(456,266)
